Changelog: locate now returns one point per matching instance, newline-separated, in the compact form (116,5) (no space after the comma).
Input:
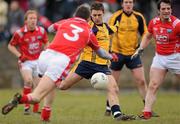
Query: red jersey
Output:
(30,42)
(72,36)
(166,34)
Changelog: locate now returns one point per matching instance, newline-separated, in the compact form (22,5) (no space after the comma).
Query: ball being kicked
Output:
(99,80)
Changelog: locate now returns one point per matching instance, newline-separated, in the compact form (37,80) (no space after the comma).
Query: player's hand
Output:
(23,58)
(138,52)
(117,24)
(114,57)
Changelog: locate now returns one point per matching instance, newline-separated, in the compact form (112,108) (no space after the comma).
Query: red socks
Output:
(26,91)
(46,113)
(36,107)
(26,98)
(147,115)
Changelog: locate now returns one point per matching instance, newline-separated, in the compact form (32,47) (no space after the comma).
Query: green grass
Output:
(87,107)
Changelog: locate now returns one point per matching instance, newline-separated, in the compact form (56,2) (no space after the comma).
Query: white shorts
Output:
(30,65)
(53,64)
(168,62)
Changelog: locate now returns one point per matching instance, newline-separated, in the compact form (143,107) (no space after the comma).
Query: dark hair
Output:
(97,6)
(163,1)
(82,12)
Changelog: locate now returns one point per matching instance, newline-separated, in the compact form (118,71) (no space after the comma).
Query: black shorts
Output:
(130,63)
(87,69)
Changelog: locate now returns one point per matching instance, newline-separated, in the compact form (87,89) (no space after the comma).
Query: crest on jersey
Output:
(169,30)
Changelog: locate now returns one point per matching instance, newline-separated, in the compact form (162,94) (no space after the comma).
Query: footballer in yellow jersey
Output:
(125,41)
(91,63)
(102,32)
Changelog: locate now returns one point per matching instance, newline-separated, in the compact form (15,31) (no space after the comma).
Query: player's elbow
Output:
(9,47)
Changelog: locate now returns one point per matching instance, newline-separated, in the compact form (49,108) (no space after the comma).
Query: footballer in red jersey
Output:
(72,36)
(54,63)
(165,35)
(27,44)
(165,29)
(70,44)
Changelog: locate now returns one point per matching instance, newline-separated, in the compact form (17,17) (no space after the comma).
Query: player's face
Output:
(31,21)
(97,16)
(127,6)
(165,11)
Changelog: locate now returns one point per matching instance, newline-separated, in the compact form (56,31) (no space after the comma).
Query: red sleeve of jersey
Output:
(177,29)
(93,43)
(150,27)
(56,25)
(15,39)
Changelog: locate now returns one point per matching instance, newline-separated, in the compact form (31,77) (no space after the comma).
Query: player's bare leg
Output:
(112,94)
(116,75)
(28,83)
(156,79)
(36,106)
(45,86)
(138,74)
(69,81)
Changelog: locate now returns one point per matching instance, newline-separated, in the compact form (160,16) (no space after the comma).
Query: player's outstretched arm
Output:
(53,28)
(105,55)
(144,43)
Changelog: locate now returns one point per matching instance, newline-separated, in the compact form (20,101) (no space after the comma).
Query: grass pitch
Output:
(87,107)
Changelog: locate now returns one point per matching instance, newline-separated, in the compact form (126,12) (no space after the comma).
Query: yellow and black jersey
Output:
(125,40)
(102,33)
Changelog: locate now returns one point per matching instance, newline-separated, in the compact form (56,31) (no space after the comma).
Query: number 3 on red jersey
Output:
(76,30)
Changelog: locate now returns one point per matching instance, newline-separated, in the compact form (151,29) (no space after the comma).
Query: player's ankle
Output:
(116,112)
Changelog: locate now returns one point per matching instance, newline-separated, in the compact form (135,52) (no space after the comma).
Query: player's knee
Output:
(141,82)
(153,85)
(117,90)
